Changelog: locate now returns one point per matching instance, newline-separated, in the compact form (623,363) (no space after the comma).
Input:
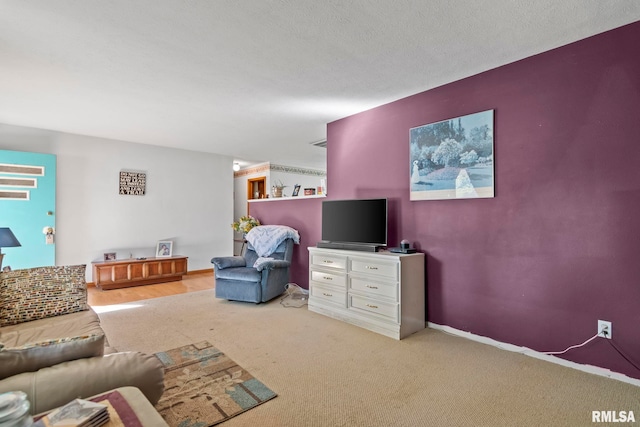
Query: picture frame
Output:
(453,158)
(109,256)
(164,249)
(296,190)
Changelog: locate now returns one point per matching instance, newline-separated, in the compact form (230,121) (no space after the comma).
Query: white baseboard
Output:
(532,353)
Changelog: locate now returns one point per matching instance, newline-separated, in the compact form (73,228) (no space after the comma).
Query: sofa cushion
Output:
(41,292)
(54,386)
(33,345)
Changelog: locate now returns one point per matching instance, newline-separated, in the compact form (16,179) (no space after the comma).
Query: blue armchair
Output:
(237,279)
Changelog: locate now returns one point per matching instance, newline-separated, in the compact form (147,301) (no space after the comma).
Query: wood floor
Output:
(189,283)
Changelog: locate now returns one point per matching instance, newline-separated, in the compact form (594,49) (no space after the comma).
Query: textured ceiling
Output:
(258,80)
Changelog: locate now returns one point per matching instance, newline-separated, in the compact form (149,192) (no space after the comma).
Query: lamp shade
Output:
(7,238)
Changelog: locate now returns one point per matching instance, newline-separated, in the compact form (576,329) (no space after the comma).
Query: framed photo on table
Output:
(164,248)
(296,190)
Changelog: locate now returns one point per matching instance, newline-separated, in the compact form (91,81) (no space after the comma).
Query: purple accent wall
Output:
(305,215)
(559,246)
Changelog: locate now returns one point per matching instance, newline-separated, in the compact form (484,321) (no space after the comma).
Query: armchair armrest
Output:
(270,265)
(228,262)
(51,387)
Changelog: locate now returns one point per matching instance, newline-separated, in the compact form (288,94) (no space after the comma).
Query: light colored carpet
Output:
(329,373)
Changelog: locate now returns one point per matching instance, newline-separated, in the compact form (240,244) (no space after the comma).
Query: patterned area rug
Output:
(203,387)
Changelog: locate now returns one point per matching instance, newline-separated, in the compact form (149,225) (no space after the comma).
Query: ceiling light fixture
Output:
(236,167)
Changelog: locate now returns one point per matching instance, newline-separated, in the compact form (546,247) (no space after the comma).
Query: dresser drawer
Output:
(329,261)
(372,287)
(385,310)
(327,294)
(382,269)
(329,278)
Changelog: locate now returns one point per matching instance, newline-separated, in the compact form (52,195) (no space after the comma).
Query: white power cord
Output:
(573,346)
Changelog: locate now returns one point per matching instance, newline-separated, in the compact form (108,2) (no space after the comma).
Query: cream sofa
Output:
(52,346)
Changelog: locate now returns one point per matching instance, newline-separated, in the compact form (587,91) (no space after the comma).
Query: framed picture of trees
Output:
(452,159)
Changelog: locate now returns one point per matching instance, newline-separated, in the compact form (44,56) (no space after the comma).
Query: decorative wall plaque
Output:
(133,183)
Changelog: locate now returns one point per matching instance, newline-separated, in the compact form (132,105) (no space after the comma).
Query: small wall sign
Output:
(133,183)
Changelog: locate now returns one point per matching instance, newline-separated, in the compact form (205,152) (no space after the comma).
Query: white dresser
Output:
(380,291)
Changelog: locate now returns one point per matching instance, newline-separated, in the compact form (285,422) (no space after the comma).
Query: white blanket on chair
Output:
(265,239)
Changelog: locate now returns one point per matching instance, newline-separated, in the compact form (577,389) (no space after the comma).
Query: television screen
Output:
(355,221)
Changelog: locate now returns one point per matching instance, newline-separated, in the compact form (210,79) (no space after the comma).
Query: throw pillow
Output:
(41,292)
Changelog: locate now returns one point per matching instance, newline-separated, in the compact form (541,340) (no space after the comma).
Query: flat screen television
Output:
(358,224)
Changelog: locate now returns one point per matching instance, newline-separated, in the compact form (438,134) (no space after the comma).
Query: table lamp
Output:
(7,240)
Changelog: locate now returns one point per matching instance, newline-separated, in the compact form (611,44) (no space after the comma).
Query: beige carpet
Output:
(329,373)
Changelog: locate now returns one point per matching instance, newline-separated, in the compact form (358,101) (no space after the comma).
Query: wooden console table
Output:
(135,272)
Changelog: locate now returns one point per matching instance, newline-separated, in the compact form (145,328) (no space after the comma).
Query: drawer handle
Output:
(328,261)
(372,287)
(368,267)
(327,278)
(327,295)
(372,306)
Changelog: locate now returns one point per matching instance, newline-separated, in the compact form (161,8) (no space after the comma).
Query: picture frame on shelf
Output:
(109,256)
(164,248)
(296,190)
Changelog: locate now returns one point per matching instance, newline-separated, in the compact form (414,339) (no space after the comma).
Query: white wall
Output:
(189,198)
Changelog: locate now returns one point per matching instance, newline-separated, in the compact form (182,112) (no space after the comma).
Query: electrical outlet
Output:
(604,325)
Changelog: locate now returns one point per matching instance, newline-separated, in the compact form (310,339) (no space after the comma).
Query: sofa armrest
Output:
(228,262)
(271,264)
(55,386)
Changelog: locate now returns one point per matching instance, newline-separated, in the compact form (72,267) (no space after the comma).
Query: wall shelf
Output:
(275,199)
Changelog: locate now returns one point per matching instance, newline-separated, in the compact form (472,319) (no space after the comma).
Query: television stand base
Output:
(349,246)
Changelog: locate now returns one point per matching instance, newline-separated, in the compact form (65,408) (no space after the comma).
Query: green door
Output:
(28,206)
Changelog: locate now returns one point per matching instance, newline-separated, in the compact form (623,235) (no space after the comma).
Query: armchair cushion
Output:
(245,274)
(228,262)
(38,293)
